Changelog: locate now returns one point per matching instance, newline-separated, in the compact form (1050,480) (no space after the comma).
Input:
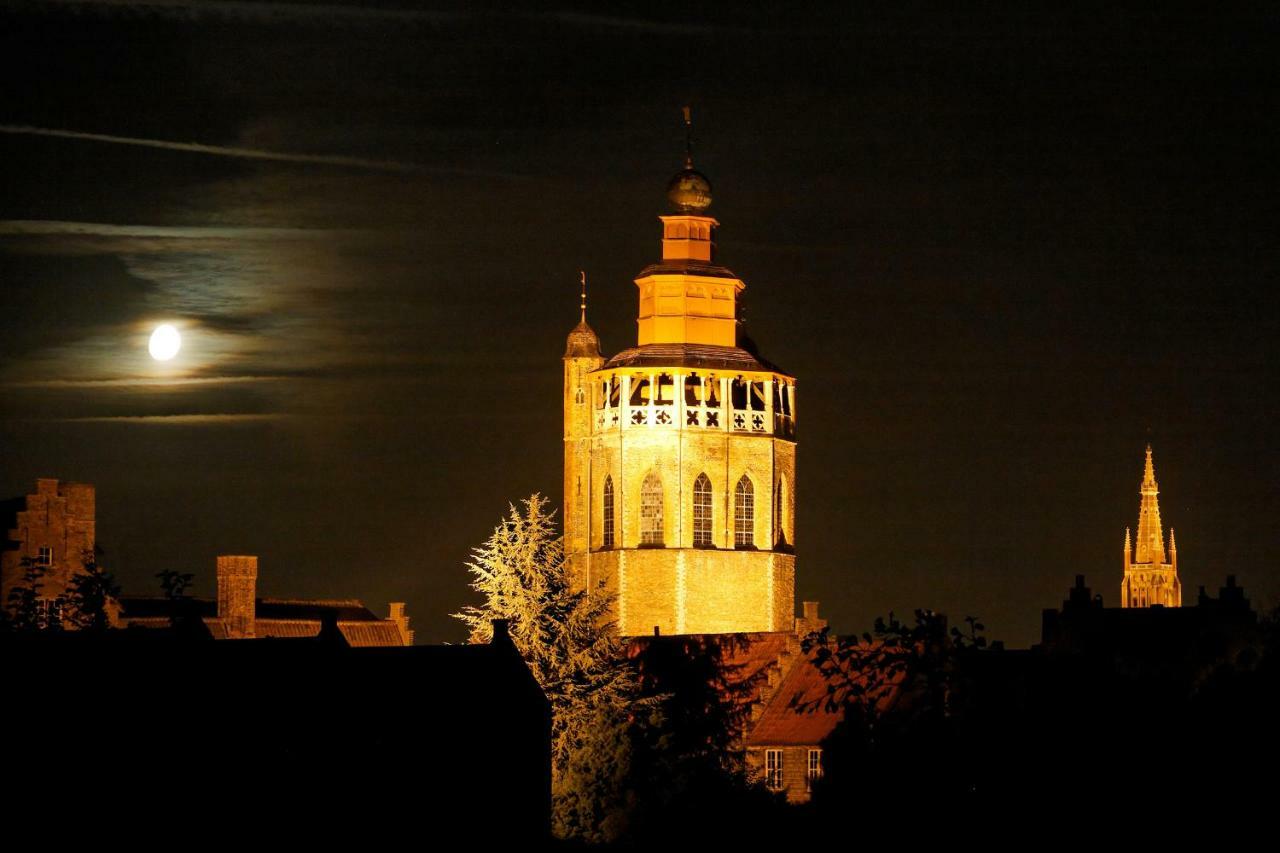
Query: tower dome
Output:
(582,342)
(689,191)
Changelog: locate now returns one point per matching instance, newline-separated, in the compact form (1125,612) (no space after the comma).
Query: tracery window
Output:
(702,512)
(651,510)
(692,390)
(608,512)
(666,390)
(744,513)
(640,391)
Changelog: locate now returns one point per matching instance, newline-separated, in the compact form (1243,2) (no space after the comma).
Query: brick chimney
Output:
(810,621)
(398,616)
(237,589)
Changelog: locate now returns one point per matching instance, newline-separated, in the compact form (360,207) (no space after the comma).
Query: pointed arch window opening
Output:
(779,515)
(702,513)
(744,511)
(651,532)
(607,526)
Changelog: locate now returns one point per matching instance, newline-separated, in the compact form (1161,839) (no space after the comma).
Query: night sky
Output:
(1000,251)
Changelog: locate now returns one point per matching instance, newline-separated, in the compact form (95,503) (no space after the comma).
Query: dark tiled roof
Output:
(705,356)
(152,607)
(678,267)
(799,713)
(793,714)
(582,342)
(346,610)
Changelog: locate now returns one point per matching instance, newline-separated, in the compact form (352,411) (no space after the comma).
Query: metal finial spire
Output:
(688,137)
(582,275)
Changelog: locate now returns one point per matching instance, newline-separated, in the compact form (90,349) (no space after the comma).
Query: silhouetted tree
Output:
(574,652)
(901,689)
(89,595)
(26,609)
(183,614)
(689,759)
(173,584)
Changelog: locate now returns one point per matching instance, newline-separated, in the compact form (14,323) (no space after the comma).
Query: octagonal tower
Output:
(680,451)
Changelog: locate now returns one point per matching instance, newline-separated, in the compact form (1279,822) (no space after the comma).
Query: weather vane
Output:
(688,137)
(582,276)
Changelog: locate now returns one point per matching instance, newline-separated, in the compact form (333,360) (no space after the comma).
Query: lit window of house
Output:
(773,769)
(44,556)
(48,612)
(813,771)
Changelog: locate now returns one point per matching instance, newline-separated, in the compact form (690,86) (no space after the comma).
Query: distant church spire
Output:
(582,275)
(1150,535)
(1150,574)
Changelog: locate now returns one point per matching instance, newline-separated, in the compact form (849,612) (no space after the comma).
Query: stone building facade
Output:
(1150,574)
(54,529)
(680,452)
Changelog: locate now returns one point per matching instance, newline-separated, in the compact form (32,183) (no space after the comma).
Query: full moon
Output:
(165,343)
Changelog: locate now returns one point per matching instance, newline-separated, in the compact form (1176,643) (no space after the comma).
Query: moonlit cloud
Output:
(247,153)
(175,420)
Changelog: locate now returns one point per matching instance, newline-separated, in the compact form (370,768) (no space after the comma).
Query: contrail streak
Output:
(180,420)
(229,151)
(58,228)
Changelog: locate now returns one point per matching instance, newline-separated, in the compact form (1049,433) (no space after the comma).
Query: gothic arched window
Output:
(779,517)
(744,513)
(608,512)
(651,510)
(702,512)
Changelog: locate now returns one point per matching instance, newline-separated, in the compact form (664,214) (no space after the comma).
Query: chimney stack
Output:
(810,622)
(237,591)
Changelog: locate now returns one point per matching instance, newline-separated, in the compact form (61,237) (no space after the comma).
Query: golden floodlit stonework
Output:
(1150,578)
(680,455)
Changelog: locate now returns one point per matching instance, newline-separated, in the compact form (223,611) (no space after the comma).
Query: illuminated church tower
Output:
(1148,578)
(679,466)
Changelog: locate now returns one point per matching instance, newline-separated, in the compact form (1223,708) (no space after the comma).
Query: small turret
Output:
(582,341)
(581,357)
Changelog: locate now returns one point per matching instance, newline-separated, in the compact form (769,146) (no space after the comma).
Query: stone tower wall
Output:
(678,588)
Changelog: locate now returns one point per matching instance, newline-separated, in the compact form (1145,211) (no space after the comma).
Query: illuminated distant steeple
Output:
(1150,536)
(1150,575)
